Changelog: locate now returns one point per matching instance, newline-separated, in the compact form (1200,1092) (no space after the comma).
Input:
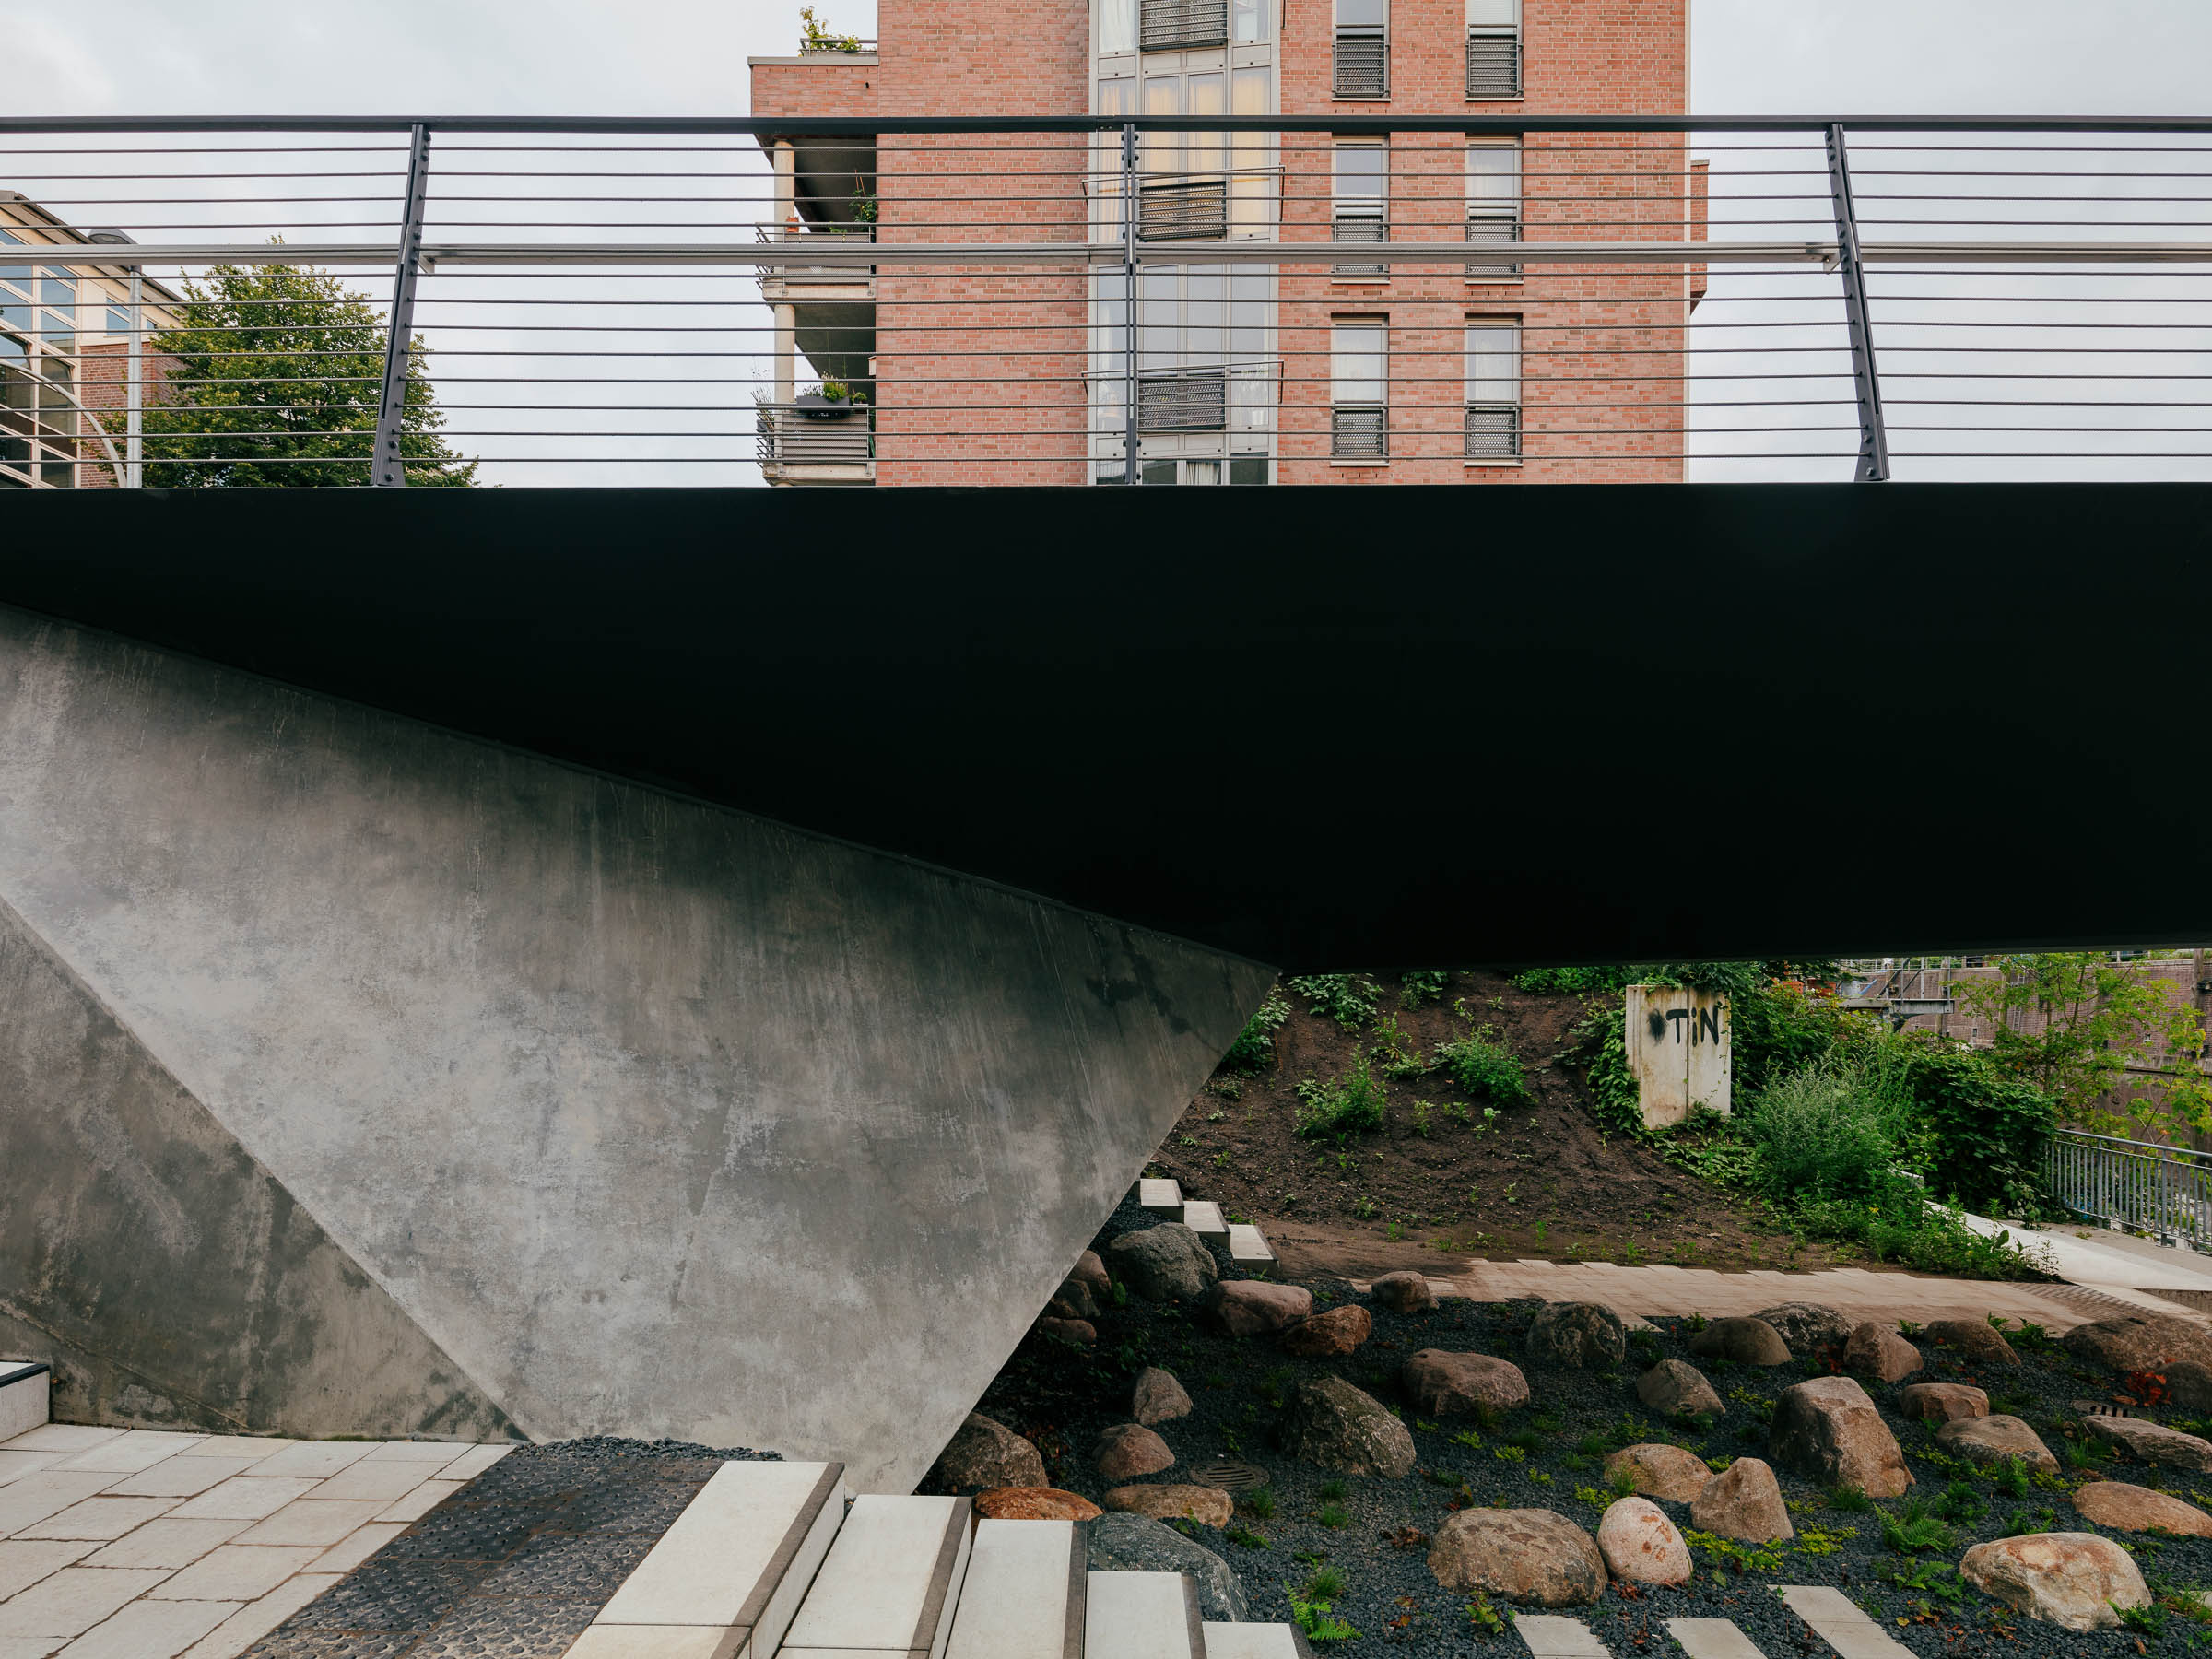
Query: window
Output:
(1360,208)
(1493,49)
(1494,205)
(56,289)
(1248,21)
(1362,51)
(1184,195)
(1359,390)
(1117,27)
(1183,25)
(1493,390)
(119,321)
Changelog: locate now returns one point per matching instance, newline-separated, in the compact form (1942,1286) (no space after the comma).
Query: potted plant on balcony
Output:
(827,401)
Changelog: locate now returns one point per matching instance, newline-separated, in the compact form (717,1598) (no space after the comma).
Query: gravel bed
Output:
(1062,1396)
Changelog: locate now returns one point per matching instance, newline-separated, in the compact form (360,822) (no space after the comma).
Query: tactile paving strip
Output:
(513,1566)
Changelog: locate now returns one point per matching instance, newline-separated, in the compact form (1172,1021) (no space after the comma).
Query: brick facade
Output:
(980,372)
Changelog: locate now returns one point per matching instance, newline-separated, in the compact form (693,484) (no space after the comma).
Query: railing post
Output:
(1129,467)
(387,471)
(1874,437)
(134,463)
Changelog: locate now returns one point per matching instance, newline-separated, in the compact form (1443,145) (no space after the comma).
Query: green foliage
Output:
(822,38)
(1334,1516)
(1984,1126)
(1621,1482)
(2010,1479)
(1423,1117)
(1253,1051)
(1776,1028)
(1326,1584)
(2019,1524)
(1912,1529)
(1600,1044)
(1962,1502)
(1342,1106)
(1484,1616)
(275,380)
(1930,1578)
(2148,1621)
(1260,1505)
(1394,1050)
(1346,998)
(1578,982)
(1484,1068)
(1423,986)
(1470,1439)
(1850,1500)
(1313,1618)
(1243,1536)
(1728,1552)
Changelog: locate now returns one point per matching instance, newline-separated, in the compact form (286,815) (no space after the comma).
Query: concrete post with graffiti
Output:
(1678,1051)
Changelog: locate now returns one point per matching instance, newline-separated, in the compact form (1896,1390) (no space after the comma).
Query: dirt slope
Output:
(1539,1181)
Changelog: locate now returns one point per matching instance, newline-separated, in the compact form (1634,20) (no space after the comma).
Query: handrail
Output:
(833,125)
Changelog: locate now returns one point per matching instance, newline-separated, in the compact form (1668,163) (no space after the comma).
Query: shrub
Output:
(1346,998)
(1253,1050)
(1423,986)
(1483,1067)
(1579,982)
(1343,1106)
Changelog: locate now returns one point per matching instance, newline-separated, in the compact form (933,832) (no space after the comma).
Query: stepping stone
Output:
(1247,1248)
(1838,1620)
(1143,1615)
(23,1396)
(1204,1219)
(1024,1593)
(728,1576)
(1713,1639)
(1160,1197)
(1549,1636)
(890,1582)
(1254,1641)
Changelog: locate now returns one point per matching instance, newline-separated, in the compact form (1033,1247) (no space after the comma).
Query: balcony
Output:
(818,284)
(797,446)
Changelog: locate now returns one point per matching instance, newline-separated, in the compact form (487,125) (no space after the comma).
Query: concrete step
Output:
(1552,1636)
(1247,1248)
(1255,1642)
(1839,1621)
(725,1579)
(1024,1594)
(1204,1219)
(1143,1615)
(1160,1197)
(24,1402)
(889,1584)
(1713,1639)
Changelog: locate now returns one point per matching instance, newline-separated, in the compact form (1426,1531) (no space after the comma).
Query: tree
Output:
(272,378)
(2074,1022)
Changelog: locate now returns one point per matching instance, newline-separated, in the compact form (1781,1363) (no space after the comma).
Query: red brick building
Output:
(1350,372)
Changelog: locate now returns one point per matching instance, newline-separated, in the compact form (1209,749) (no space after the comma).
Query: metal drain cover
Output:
(2101,1408)
(1224,1476)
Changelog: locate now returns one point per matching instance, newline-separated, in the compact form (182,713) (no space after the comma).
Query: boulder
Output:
(2188,1386)
(1582,1336)
(1942,1402)
(2072,1580)
(1073,1300)
(988,1454)
(1746,1341)
(1158,1398)
(1828,1430)
(2152,1443)
(2126,1507)
(1808,1327)
(1676,1388)
(1126,1543)
(1533,1556)
(1742,1502)
(1093,1272)
(1128,1449)
(2138,1342)
(1167,1262)
(1875,1350)
(1975,1340)
(1640,1543)
(1441,1384)
(1034,1503)
(1334,1425)
(1078,1330)
(1403,1292)
(1205,1505)
(1992,1440)
(1328,1336)
(1661,1471)
(1254,1307)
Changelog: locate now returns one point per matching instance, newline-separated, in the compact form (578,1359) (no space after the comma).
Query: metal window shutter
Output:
(1493,433)
(1182,403)
(1193,212)
(1494,65)
(1175,25)
(1355,226)
(1362,66)
(1494,228)
(1359,434)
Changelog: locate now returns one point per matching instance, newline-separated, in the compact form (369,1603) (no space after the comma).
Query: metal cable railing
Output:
(2139,1185)
(1518,300)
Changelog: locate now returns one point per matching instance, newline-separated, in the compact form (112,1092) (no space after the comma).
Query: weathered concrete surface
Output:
(654,1118)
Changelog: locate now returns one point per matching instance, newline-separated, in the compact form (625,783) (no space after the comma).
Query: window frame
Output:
(1516,31)
(1340,32)
(1340,377)
(1364,205)
(1489,384)
(1487,211)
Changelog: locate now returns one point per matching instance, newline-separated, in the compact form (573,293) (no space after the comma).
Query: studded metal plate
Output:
(563,1564)
(392,1595)
(486,1628)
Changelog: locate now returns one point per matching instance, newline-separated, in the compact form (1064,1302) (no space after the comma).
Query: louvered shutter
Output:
(1362,68)
(1358,435)
(1494,65)
(1181,25)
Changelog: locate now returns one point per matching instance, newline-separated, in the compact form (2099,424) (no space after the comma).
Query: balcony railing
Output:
(1765,298)
(791,439)
(836,46)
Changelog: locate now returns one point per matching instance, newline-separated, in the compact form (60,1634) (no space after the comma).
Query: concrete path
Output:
(2085,1256)
(125,1544)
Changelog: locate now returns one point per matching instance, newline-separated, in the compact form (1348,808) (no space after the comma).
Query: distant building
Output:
(76,367)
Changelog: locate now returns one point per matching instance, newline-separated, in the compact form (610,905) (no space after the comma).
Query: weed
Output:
(1592,1495)
(2143,1621)
(1470,1439)
(1913,1529)
(1346,1105)
(1960,1502)
(1313,1618)
(1346,998)
(1333,1490)
(1422,1110)
(1326,1584)
(1931,1578)
(1540,1476)
(1253,1051)
(1631,1253)
(1621,1482)
(1394,1050)
(1260,1505)
(1728,1552)
(2021,1522)
(1311,1558)
(2077,1454)
(1850,1500)
(1366,1208)
(1243,1537)
(1484,1616)
(2010,1479)
(1442,1477)
(1423,986)
(1543,1228)
(1334,1516)
(1510,1453)
(1717,1464)
(1820,1541)
(1484,1067)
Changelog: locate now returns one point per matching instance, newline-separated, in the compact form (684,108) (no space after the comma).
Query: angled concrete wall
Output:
(644,1115)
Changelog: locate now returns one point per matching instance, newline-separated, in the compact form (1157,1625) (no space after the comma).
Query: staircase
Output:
(1164,1199)
(777,1559)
